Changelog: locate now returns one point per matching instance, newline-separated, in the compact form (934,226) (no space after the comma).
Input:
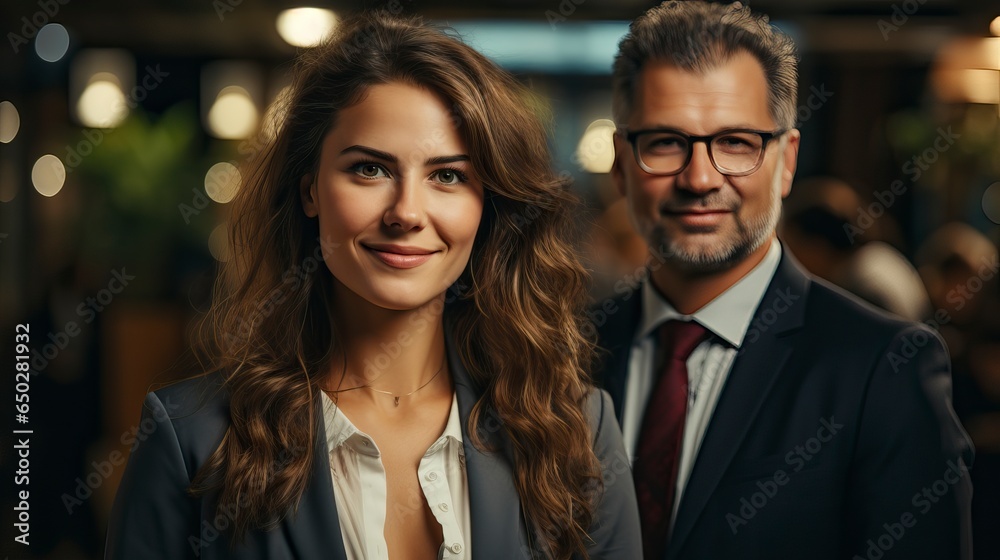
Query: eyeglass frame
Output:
(765,136)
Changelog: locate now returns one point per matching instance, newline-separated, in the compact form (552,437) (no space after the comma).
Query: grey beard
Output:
(749,237)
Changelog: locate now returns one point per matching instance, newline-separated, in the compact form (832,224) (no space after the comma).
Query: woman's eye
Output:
(370,170)
(449,177)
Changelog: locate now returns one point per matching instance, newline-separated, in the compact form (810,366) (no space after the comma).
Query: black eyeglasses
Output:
(665,151)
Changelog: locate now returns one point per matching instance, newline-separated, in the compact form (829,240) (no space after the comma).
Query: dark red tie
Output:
(659,451)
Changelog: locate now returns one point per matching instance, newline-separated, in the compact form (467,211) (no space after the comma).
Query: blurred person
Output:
(881,275)
(818,227)
(959,266)
(948,261)
(812,225)
(424,394)
(768,414)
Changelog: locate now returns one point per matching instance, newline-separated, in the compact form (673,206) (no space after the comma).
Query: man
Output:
(814,426)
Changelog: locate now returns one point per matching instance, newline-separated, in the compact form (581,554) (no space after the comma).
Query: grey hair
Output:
(696,36)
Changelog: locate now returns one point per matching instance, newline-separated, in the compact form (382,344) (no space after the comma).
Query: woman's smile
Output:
(399,256)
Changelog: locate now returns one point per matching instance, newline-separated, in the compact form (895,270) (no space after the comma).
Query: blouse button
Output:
(431,476)
(455,548)
(443,506)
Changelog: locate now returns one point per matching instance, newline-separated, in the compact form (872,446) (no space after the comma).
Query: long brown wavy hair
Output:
(516,319)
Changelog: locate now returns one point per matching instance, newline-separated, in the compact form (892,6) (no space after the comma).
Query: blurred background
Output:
(123,125)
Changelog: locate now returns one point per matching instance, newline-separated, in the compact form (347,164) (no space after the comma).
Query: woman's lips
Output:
(403,257)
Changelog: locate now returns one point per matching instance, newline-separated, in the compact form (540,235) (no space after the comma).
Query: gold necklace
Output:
(394,396)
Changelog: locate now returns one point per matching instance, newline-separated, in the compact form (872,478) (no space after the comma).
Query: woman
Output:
(423,394)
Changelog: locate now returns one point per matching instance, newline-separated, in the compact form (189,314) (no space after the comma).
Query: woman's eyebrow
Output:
(372,152)
(439,160)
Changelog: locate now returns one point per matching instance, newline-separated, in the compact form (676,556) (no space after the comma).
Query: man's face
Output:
(701,220)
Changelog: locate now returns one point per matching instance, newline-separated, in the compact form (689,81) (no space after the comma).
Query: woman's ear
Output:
(307,191)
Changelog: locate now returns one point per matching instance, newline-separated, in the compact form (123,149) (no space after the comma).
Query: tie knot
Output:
(680,338)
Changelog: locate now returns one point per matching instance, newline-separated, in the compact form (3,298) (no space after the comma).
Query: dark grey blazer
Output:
(833,423)
(183,424)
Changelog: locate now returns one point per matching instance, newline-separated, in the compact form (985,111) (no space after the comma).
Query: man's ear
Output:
(790,161)
(617,172)
(307,191)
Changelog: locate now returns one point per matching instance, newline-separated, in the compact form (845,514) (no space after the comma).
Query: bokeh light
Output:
(233,114)
(222,182)
(275,113)
(991,203)
(218,242)
(48,175)
(102,103)
(596,152)
(10,122)
(967,70)
(52,42)
(305,27)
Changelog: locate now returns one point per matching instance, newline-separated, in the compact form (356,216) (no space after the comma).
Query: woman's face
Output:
(396,196)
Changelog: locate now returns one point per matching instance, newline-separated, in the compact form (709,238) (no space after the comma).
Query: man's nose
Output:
(700,176)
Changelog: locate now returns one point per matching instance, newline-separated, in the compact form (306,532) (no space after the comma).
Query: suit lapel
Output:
(758,364)
(615,340)
(314,530)
(494,506)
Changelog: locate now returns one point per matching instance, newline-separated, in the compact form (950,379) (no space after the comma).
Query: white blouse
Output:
(360,489)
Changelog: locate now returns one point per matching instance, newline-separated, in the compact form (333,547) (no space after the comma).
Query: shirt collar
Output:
(339,428)
(452,430)
(728,315)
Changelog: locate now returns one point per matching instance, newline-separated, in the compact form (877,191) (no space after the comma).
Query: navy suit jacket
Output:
(833,437)
(182,425)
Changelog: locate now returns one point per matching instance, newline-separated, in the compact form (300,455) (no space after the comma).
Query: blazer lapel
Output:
(314,530)
(494,506)
(615,344)
(760,361)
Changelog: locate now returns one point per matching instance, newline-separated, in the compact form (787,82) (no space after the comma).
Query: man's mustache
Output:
(709,203)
